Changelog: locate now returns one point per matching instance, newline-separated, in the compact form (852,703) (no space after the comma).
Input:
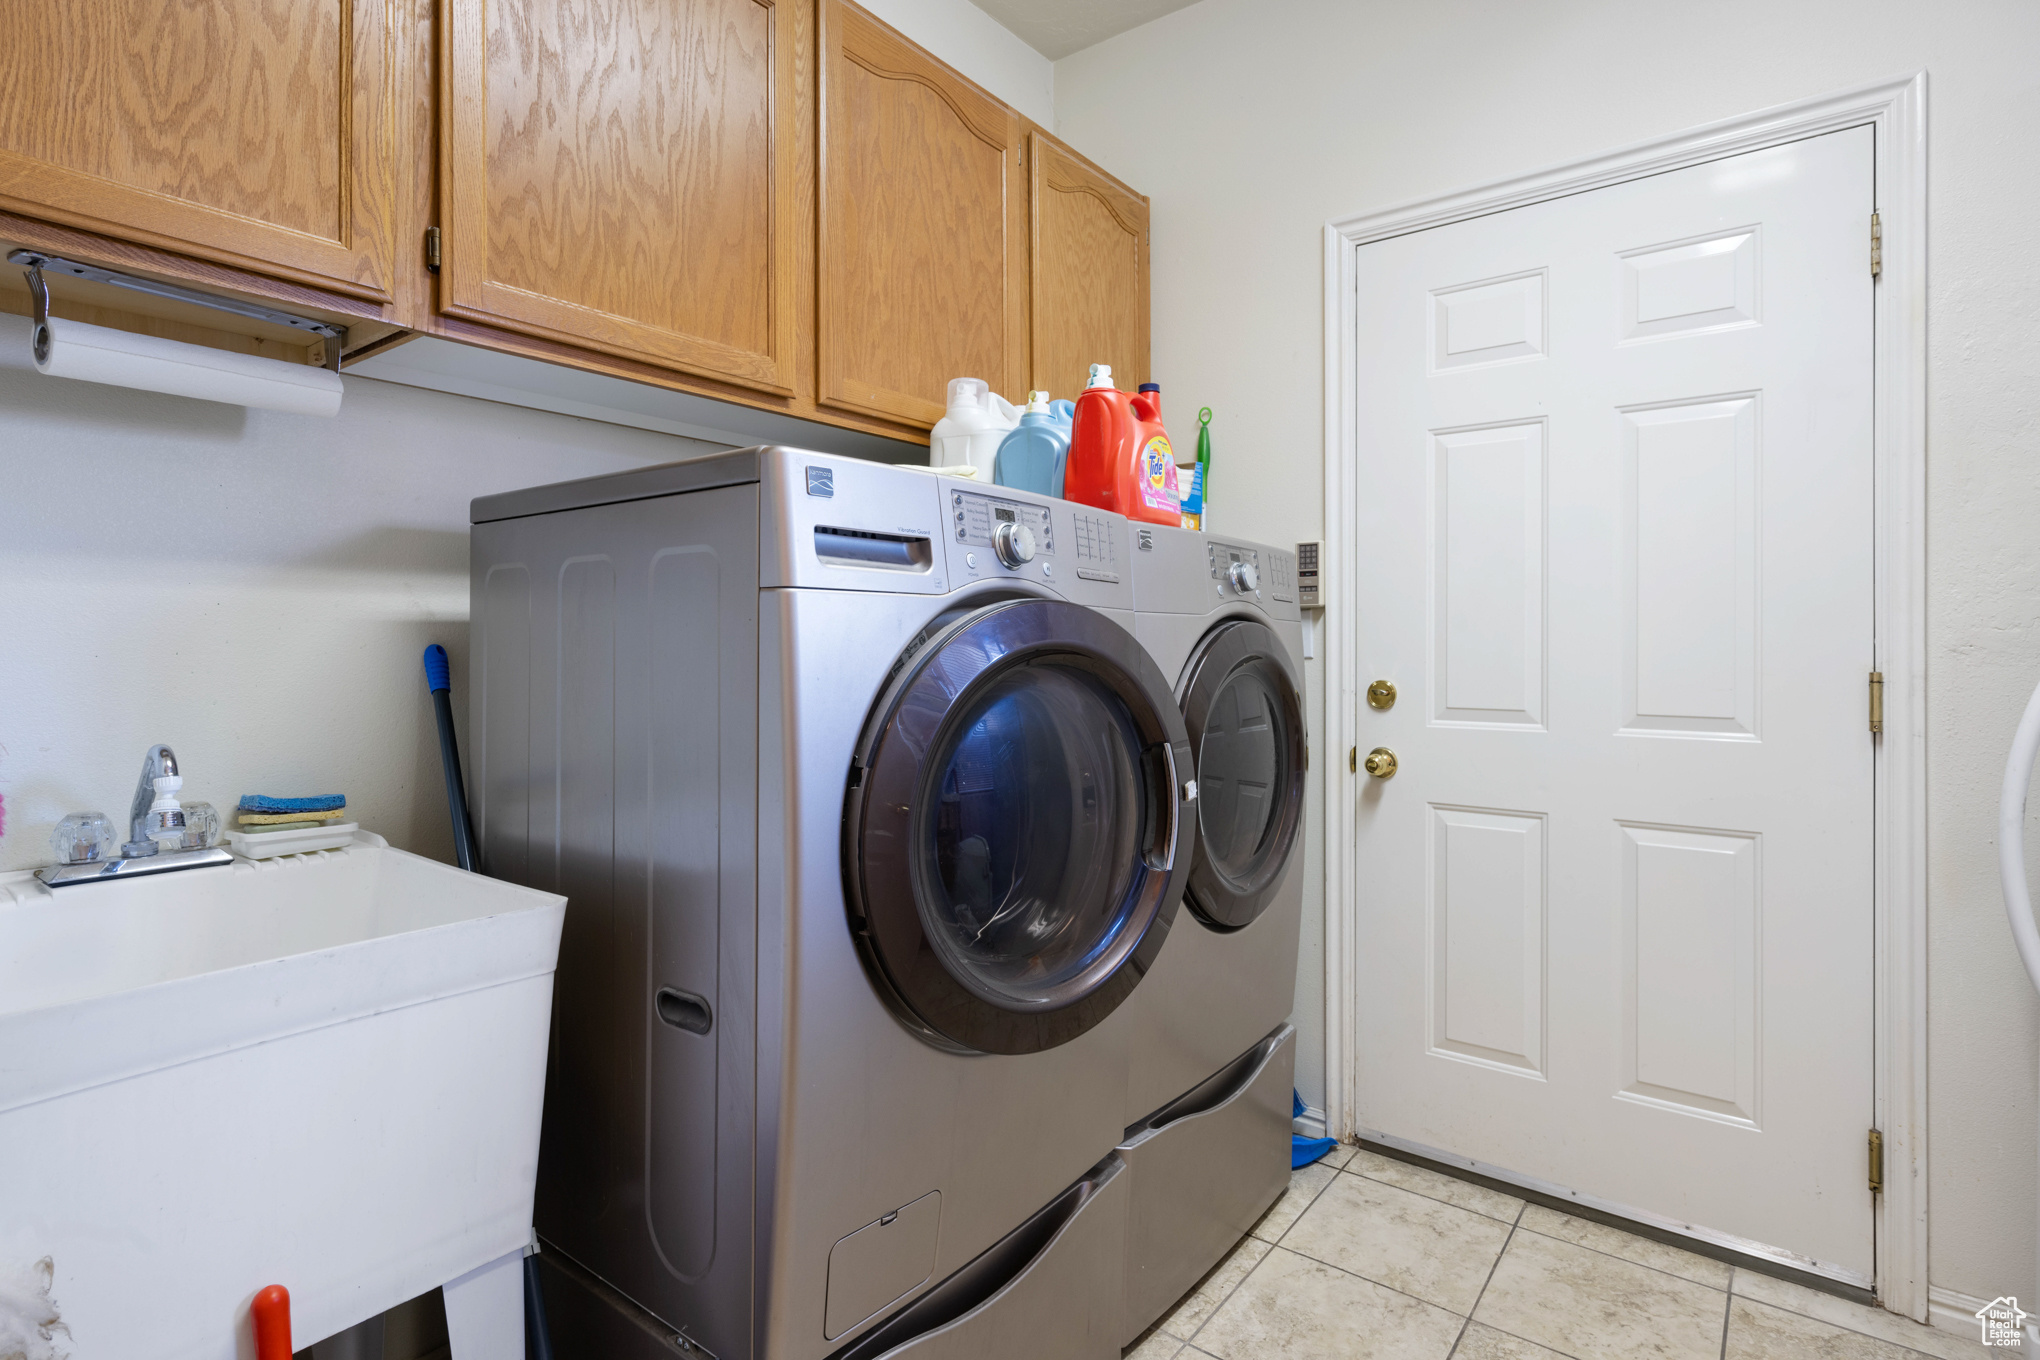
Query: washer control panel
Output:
(977,520)
(994,533)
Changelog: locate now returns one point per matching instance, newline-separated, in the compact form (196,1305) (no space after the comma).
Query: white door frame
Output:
(1897,109)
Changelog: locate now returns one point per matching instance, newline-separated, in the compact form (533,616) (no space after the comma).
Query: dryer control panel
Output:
(1251,571)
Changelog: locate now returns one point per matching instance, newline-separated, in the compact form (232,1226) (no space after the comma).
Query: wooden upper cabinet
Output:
(1089,247)
(254,133)
(620,175)
(922,257)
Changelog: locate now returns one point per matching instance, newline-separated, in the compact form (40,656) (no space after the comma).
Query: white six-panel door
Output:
(1615,553)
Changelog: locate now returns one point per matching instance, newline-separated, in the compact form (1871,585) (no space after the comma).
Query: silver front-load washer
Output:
(1211,1055)
(870,812)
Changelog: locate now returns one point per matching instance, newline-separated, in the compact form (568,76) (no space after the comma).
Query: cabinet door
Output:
(254,133)
(1089,300)
(619,175)
(922,264)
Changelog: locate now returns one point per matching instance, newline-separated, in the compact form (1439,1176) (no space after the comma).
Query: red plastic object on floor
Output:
(271,1310)
(1119,456)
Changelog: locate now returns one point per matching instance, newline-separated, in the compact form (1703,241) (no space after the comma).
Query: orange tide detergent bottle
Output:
(1120,459)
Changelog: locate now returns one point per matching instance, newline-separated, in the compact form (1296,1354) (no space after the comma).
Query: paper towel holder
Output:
(39,294)
(33,263)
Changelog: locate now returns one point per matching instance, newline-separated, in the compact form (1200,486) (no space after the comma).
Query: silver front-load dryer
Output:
(1211,1054)
(871,814)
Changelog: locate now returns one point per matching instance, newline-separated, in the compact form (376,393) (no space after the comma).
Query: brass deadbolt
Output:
(1381,695)
(1380,763)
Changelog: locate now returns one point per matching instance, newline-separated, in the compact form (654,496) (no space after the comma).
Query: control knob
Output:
(1014,543)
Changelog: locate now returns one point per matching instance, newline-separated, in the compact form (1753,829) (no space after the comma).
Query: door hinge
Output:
(1876,1162)
(432,250)
(1876,246)
(1877,701)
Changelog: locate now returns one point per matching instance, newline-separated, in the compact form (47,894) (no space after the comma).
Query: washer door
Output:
(1012,832)
(1245,720)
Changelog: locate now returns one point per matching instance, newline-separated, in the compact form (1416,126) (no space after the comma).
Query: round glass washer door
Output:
(1245,721)
(1016,831)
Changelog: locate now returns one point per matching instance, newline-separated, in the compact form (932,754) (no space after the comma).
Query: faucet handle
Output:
(83,838)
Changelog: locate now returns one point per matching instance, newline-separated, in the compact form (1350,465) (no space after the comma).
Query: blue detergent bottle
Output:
(1031,458)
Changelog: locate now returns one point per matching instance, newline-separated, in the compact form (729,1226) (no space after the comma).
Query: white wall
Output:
(253,588)
(976,44)
(1253,122)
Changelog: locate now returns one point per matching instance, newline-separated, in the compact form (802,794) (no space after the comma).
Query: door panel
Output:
(251,134)
(1088,297)
(1488,519)
(1614,506)
(620,176)
(923,271)
(1487,910)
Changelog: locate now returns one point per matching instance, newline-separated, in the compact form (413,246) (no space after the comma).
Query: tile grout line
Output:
(1369,1279)
(1348,1170)
(1726,1307)
(1549,1237)
(1633,1262)
(1829,1322)
(1732,1267)
(1495,1265)
(1264,1257)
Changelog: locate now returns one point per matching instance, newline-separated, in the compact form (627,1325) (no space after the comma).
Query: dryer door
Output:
(1241,705)
(1016,833)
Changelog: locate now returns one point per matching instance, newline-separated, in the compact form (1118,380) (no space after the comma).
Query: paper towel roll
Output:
(123,359)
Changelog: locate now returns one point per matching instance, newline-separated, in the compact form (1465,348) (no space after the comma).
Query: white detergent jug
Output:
(969,434)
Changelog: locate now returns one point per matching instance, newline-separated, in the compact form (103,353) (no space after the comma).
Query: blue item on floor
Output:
(1303,1151)
(325,802)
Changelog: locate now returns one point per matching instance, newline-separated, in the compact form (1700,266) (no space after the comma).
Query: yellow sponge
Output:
(264,818)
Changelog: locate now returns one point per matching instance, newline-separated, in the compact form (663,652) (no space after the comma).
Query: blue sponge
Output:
(262,802)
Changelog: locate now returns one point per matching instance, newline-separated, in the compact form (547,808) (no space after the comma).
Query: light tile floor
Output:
(1371,1259)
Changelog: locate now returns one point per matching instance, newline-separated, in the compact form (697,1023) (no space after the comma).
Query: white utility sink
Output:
(322,1071)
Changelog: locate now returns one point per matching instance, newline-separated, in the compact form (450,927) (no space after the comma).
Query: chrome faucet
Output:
(167,834)
(157,763)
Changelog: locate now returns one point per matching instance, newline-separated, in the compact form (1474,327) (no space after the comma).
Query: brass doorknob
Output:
(1380,763)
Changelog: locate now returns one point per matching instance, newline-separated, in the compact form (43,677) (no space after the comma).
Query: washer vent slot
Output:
(864,548)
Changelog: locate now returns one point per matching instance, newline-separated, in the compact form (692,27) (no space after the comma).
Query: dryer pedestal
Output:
(1202,1170)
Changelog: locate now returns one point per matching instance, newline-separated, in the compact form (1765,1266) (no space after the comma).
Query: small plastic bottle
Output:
(1033,455)
(969,432)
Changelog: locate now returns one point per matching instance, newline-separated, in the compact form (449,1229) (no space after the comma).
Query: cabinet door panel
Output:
(620,176)
(258,133)
(1090,273)
(922,271)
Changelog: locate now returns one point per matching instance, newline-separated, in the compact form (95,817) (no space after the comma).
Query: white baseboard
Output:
(1311,1123)
(1951,1310)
